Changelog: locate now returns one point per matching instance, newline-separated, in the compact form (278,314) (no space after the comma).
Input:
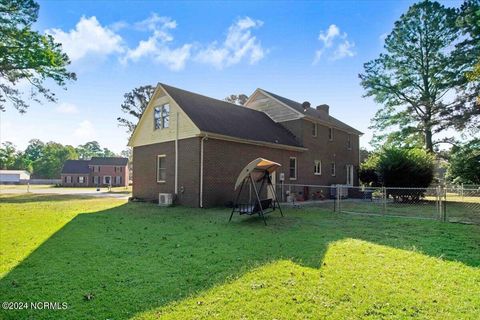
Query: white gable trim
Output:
(150,105)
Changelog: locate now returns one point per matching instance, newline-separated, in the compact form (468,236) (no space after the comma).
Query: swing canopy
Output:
(258,168)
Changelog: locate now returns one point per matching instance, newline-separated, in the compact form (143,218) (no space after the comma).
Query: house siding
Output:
(321,148)
(145,185)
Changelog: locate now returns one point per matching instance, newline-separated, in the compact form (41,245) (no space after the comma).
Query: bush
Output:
(464,163)
(402,168)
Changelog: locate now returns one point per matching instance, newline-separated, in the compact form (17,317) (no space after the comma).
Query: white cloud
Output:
(344,49)
(157,45)
(328,36)
(88,37)
(335,45)
(67,108)
(85,130)
(239,44)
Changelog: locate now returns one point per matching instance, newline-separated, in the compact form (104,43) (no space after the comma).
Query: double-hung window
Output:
(332,168)
(317,167)
(161,168)
(293,168)
(161,116)
(330,134)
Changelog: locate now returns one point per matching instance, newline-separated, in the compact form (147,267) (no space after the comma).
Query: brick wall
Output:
(223,161)
(121,171)
(321,148)
(74,180)
(145,185)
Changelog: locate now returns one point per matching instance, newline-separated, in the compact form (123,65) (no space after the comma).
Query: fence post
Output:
(339,187)
(439,203)
(445,205)
(384,200)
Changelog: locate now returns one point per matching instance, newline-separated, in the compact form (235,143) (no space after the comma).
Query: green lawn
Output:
(111,260)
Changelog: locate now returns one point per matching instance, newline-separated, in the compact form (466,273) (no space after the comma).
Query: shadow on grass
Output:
(137,257)
(38,197)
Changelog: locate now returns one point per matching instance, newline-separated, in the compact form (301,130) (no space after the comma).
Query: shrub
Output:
(402,168)
(464,163)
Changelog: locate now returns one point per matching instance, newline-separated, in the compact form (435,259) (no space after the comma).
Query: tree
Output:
(88,150)
(414,77)
(108,153)
(8,154)
(34,149)
(49,166)
(467,60)
(134,105)
(239,99)
(27,56)
(398,168)
(464,163)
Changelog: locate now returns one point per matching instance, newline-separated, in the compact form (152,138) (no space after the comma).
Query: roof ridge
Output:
(210,98)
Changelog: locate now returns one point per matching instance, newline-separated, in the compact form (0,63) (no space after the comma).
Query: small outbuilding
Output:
(14,176)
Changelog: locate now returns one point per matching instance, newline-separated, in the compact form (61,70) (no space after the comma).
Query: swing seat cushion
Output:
(255,208)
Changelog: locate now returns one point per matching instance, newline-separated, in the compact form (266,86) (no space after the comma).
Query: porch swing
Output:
(257,171)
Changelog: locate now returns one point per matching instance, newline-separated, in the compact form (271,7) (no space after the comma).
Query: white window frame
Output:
(333,166)
(290,169)
(118,180)
(163,115)
(69,179)
(314,129)
(81,178)
(330,134)
(317,167)
(104,180)
(349,141)
(157,169)
(95,180)
(349,174)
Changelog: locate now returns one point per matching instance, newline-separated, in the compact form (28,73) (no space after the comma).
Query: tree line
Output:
(45,160)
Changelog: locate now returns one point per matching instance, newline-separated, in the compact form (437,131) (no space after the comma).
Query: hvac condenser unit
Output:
(343,190)
(165,199)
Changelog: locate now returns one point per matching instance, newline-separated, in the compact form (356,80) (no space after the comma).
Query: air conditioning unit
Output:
(343,190)
(165,199)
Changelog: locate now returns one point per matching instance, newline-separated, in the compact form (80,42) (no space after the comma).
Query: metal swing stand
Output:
(259,206)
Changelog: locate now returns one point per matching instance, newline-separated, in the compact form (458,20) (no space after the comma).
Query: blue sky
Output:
(306,51)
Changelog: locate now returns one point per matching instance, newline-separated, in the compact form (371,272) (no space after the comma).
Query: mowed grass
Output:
(114,260)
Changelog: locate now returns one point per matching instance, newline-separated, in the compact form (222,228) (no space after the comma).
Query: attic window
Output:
(161,116)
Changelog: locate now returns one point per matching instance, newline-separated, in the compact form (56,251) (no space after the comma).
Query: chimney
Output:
(305,105)
(323,107)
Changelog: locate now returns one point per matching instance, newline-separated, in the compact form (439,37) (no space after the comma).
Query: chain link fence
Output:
(450,204)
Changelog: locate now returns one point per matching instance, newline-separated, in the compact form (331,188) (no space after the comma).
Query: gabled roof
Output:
(108,161)
(227,119)
(76,166)
(313,112)
(82,166)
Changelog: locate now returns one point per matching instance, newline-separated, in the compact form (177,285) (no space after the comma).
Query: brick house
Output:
(95,172)
(194,146)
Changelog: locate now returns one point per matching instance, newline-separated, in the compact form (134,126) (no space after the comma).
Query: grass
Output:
(114,260)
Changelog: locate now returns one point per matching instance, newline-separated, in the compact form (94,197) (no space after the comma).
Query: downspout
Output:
(201,169)
(176,155)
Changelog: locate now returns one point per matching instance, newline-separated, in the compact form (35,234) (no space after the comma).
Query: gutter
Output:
(205,137)
(176,155)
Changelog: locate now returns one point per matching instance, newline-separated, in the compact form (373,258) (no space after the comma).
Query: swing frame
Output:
(259,206)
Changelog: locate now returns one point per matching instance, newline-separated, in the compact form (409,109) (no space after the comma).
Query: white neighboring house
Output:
(14,176)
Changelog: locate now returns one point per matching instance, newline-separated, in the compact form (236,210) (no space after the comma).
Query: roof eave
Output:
(252,142)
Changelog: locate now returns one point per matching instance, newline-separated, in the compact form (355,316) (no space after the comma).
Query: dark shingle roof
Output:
(313,112)
(216,116)
(76,166)
(81,166)
(112,161)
